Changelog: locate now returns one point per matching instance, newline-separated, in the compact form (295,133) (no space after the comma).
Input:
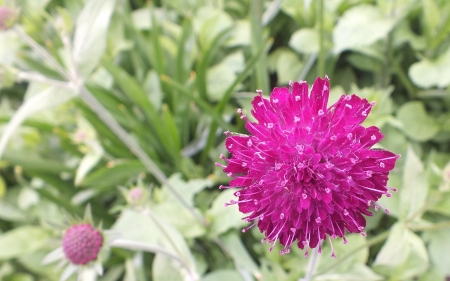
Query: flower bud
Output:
(7,18)
(82,243)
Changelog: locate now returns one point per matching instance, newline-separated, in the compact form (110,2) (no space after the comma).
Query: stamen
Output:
(384,208)
(333,255)
(220,165)
(247,228)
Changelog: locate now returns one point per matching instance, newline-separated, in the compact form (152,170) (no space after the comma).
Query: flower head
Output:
(81,243)
(83,246)
(307,171)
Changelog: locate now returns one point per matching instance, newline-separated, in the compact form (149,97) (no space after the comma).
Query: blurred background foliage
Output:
(115,95)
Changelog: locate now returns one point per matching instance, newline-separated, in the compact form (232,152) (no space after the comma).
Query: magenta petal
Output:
(319,95)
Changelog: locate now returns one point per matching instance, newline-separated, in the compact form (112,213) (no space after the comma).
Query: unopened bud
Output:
(7,18)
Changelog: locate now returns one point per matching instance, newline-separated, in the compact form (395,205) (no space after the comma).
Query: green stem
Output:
(435,226)
(312,265)
(321,60)
(260,68)
(404,79)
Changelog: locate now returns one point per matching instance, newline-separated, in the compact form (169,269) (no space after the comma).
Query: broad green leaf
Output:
(416,123)
(22,240)
(91,32)
(242,259)
(164,269)
(223,274)
(27,198)
(167,206)
(356,241)
(288,67)
(8,49)
(240,35)
(32,262)
(223,218)
(414,190)
(403,256)
(429,73)
(209,23)
(303,12)
(305,41)
(438,247)
(10,212)
(360,26)
(395,251)
(219,78)
(356,272)
(49,98)
(154,231)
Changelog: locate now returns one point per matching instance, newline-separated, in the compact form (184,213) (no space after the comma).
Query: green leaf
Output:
(394,252)
(355,273)
(288,67)
(209,23)
(360,26)
(438,247)
(413,193)
(219,78)
(357,241)
(223,218)
(111,176)
(223,274)
(46,99)
(8,49)
(416,123)
(431,17)
(27,197)
(403,256)
(91,31)
(242,259)
(21,240)
(155,232)
(305,41)
(164,269)
(428,73)
(87,163)
(168,207)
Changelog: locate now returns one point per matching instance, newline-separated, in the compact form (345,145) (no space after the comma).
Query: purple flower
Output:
(81,243)
(307,171)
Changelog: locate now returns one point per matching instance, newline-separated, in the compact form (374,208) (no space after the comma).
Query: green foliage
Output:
(99,98)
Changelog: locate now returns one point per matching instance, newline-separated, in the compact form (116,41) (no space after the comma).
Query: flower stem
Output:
(435,226)
(321,60)
(312,266)
(41,51)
